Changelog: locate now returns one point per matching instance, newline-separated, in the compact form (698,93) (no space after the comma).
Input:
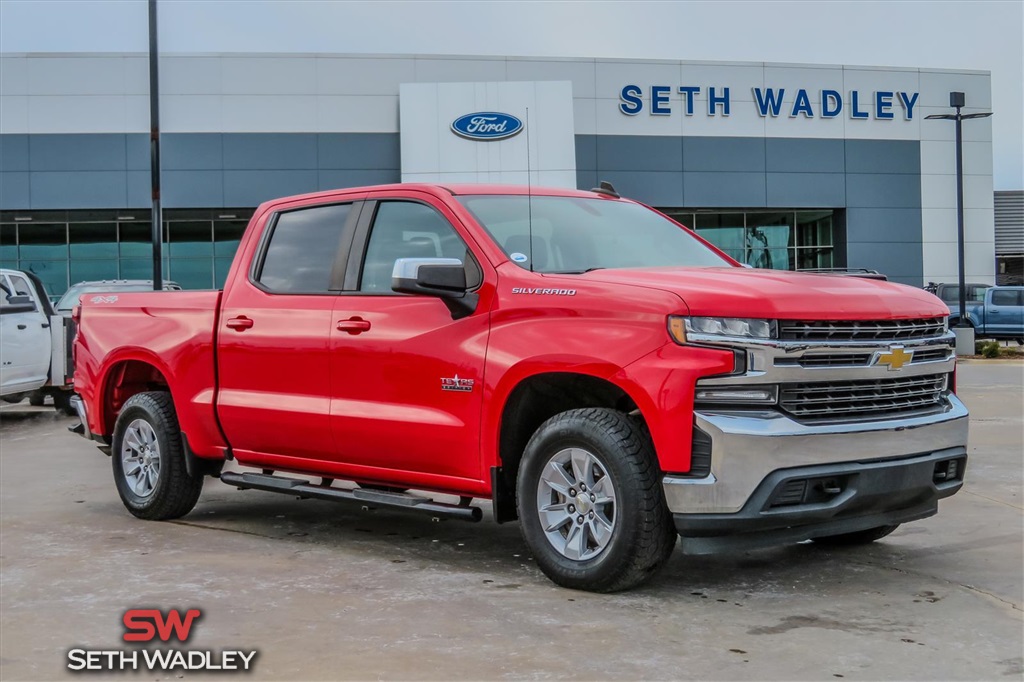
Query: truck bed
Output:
(173,331)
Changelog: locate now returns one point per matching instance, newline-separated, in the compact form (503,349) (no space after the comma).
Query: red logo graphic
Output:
(142,625)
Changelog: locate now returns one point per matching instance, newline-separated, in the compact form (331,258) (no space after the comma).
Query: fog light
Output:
(761,395)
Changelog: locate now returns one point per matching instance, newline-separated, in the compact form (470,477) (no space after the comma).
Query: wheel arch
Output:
(534,397)
(130,373)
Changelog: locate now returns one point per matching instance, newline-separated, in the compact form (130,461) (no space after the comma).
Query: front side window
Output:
(302,250)
(406,229)
(574,234)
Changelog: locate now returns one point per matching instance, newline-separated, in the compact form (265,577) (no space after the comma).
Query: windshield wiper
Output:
(574,272)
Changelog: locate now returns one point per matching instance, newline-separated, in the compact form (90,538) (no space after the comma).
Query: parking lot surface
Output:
(326,591)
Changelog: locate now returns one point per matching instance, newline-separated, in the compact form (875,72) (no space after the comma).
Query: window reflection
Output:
(779,239)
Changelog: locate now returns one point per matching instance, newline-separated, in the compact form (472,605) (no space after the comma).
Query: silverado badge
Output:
(895,358)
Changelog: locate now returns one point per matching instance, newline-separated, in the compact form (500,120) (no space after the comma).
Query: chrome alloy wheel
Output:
(140,458)
(576,504)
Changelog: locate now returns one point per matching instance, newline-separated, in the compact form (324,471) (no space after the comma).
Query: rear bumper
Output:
(879,473)
(78,405)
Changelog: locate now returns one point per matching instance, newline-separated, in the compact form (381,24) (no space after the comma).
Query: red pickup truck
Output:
(596,370)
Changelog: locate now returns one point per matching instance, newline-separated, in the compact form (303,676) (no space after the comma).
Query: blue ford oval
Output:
(486,125)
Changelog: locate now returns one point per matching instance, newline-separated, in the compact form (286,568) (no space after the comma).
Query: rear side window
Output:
(1006,297)
(303,248)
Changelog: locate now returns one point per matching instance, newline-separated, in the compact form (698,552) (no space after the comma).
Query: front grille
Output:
(857,359)
(861,330)
(863,400)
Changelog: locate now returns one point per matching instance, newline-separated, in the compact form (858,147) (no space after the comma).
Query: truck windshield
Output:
(576,235)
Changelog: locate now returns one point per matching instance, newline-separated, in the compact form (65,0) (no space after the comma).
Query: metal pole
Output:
(154,150)
(960,218)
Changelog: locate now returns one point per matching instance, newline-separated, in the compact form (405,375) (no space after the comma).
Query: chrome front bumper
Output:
(748,445)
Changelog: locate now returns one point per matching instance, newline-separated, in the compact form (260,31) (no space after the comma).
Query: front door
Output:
(274,337)
(407,378)
(25,351)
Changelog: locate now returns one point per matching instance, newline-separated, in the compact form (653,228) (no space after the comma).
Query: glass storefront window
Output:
(220,271)
(90,270)
(54,275)
(192,239)
(93,240)
(65,247)
(191,273)
(814,228)
(781,239)
(136,268)
(724,230)
(43,241)
(136,240)
(8,243)
(227,235)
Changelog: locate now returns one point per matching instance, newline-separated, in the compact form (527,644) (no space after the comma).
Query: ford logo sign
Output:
(486,125)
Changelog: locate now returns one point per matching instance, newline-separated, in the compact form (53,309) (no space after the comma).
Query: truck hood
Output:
(776,294)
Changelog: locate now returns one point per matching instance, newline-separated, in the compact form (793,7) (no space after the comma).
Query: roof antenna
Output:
(529,188)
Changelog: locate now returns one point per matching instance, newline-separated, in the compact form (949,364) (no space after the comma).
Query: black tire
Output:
(62,403)
(174,493)
(860,537)
(643,534)
(36,398)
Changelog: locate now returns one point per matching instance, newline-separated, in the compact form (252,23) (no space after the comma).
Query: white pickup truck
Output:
(35,343)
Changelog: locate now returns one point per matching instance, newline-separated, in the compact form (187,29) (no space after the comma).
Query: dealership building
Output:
(788,166)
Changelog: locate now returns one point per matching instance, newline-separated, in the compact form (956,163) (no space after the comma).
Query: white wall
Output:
(431,152)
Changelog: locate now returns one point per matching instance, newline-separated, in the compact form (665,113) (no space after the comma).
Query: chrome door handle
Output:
(240,323)
(353,325)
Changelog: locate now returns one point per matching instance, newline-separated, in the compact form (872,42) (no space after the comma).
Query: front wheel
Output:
(149,460)
(590,501)
(860,537)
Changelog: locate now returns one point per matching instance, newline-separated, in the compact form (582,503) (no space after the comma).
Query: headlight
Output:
(736,327)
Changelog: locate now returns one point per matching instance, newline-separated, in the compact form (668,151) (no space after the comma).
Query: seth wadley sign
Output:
(881,105)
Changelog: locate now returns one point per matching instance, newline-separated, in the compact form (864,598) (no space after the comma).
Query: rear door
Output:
(407,384)
(25,352)
(275,332)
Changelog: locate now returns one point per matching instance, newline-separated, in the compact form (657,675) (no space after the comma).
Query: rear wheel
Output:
(860,537)
(590,501)
(149,461)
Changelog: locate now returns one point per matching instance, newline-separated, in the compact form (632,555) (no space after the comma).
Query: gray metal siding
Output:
(200,170)
(1009,213)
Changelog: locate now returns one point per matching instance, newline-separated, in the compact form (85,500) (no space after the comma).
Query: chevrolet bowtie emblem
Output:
(895,358)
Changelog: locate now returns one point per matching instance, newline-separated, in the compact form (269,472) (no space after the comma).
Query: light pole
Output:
(963,330)
(154,150)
